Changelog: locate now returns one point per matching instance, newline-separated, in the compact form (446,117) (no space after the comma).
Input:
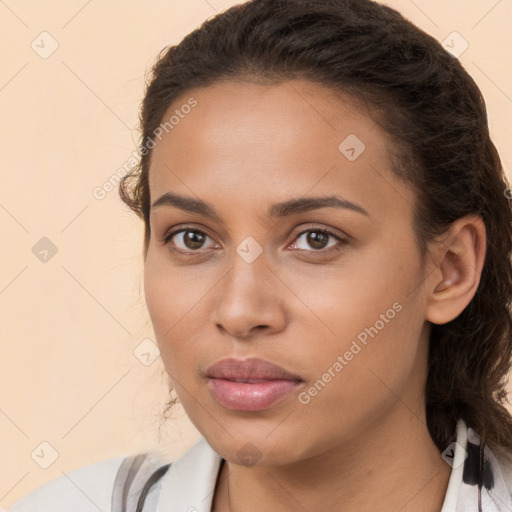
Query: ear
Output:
(459,255)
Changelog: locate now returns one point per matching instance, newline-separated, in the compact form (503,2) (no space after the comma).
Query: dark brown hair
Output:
(436,115)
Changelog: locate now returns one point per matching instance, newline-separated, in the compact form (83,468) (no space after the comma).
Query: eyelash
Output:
(342,241)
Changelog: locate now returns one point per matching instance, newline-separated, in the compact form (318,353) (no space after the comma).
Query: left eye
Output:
(317,238)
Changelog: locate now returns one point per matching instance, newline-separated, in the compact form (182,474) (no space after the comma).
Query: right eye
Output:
(190,239)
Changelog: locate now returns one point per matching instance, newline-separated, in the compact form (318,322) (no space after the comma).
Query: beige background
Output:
(69,326)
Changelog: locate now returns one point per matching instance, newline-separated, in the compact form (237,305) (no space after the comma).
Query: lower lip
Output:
(244,396)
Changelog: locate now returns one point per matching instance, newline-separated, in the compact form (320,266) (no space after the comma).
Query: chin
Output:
(257,448)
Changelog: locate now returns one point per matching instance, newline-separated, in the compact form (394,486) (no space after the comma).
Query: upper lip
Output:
(252,368)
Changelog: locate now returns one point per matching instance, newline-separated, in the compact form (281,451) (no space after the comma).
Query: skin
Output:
(362,442)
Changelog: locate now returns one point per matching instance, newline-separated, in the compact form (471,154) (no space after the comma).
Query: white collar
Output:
(189,483)
(462,493)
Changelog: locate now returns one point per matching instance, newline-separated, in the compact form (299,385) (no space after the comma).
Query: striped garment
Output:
(477,483)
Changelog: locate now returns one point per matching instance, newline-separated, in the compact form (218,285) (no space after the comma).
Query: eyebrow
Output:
(277,210)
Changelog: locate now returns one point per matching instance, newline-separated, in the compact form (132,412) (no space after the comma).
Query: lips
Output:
(250,384)
(247,370)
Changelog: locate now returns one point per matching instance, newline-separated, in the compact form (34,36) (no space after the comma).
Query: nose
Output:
(249,300)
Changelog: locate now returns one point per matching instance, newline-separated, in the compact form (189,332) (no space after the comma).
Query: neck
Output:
(393,465)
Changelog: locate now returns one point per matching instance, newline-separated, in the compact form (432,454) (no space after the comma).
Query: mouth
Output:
(251,381)
(251,395)
(251,384)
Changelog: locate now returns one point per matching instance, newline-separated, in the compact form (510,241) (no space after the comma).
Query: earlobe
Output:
(454,281)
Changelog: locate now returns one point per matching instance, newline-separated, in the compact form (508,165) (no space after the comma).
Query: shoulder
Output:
(504,457)
(88,488)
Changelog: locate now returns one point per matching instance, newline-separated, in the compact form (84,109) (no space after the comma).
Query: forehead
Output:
(253,142)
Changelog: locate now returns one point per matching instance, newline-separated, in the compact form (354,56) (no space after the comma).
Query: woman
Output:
(327,271)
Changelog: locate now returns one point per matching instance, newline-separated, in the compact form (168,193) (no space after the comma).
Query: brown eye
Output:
(318,239)
(191,239)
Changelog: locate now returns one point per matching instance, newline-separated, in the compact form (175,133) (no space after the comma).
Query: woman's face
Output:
(343,311)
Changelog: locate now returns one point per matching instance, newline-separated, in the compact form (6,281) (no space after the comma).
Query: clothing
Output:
(188,483)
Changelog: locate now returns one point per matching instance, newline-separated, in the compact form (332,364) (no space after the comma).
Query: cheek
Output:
(176,302)
(344,301)
(353,383)
(164,300)
(171,293)
(373,320)
(157,294)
